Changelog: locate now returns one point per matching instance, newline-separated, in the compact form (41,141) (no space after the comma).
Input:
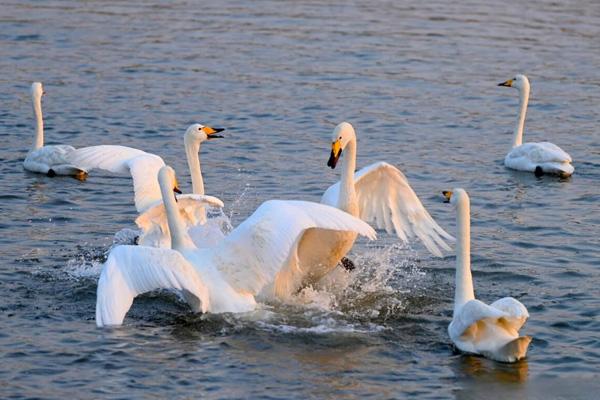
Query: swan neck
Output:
(192,150)
(523,101)
(180,240)
(347,200)
(39,123)
(464,280)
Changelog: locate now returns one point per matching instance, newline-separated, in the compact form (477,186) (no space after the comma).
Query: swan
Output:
(249,262)
(377,193)
(538,157)
(50,160)
(144,167)
(489,330)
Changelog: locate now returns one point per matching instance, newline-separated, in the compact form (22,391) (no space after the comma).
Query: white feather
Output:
(142,166)
(386,199)
(261,246)
(132,270)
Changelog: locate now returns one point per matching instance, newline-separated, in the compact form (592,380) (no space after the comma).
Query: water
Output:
(419,84)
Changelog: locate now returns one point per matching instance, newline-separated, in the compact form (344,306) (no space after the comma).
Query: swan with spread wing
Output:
(50,160)
(378,193)
(255,259)
(143,168)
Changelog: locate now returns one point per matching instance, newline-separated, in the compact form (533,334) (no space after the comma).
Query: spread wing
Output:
(253,253)
(121,159)
(155,228)
(386,198)
(132,270)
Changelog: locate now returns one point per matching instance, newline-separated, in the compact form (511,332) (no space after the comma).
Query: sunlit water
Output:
(419,84)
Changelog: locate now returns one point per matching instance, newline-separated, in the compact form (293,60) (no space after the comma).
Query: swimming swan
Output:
(49,160)
(249,262)
(144,168)
(378,193)
(541,158)
(492,331)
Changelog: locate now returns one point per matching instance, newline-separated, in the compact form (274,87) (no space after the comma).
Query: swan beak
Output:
(211,132)
(336,152)
(508,83)
(447,195)
(176,191)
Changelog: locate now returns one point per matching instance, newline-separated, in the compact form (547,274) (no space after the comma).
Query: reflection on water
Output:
(482,370)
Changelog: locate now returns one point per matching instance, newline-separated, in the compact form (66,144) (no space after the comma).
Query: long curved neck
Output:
(39,123)
(347,200)
(464,281)
(192,151)
(180,240)
(523,101)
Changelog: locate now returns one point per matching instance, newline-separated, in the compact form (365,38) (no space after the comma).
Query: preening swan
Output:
(144,168)
(50,160)
(252,260)
(541,158)
(492,331)
(378,193)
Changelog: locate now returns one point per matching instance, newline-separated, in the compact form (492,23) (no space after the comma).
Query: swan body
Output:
(378,193)
(50,160)
(253,260)
(542,157)
(490,330)
(144,168)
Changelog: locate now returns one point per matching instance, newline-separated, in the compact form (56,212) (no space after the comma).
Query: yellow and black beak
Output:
(447,195)
(336,152)
(211,133)
(507,83)
(176,190)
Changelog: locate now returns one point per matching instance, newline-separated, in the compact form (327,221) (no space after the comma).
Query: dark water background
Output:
(418,81)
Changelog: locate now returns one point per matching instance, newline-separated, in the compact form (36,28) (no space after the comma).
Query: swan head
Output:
(168,180)
(342,135)
(519,81)
(198,133)
(37,90)
(456,196)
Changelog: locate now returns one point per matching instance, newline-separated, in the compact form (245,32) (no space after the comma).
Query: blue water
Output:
(418,81)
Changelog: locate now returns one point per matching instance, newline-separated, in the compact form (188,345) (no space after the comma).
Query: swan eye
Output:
(340,138)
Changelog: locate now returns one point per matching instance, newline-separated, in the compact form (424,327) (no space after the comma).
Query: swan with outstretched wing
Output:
(378,193)
(144,168)
(255,258)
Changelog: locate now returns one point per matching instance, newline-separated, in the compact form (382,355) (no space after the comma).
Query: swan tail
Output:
(514,350)
(69,170)
(564,169)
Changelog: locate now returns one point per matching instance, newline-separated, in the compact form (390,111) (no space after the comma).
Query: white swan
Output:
(541,158)
(378,193)
(49,160)
(144,168)
(492,331)
(225,278)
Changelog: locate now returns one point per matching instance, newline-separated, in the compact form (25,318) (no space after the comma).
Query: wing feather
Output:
(142,166)
(154,225)
(132,270)
(386,199)
(254,252)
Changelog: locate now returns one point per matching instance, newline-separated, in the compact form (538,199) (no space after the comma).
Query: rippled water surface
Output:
(418,81)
